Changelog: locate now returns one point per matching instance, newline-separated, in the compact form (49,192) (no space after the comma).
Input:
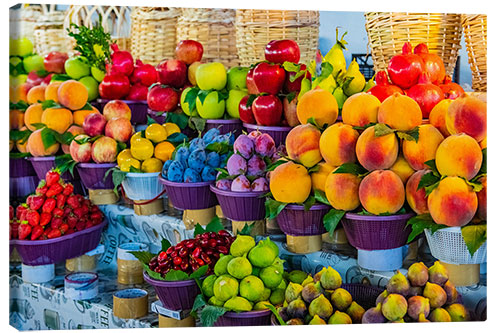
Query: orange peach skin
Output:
(360,109)
(376,152)
(402,168)
(416,197)
(290,183)
(423,150)
(467,114)
(338,144)
(318,178)
(459,155)
(382,192)
(437,117)
(342,191)
(399,112)
(302,145)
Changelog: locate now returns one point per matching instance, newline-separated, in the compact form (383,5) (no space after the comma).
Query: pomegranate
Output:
(138,92)
(122,61)
(383,88)
(114,86)
(433,64)
(426,94)
(145,74)
(162,98)
(405,68)
(451,90)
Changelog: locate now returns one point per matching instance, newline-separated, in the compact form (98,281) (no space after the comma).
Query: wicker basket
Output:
(387,32)
(49,33)
(256,28)
(474,27)
(153,33)
(22,20)
(214,29)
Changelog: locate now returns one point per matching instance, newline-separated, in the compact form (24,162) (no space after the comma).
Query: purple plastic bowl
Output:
(138,108)
(295,221)
(92,175)
(20,167)
(225,125)
(22,186)
(50,251)
(249,318)
(160,119)
(45,163)
(189,195)
(241,206)
(278,133)
(369,232)
(175,295)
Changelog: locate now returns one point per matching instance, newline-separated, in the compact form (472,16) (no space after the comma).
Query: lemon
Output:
(122,156)
(164,150)
(156,133)
(127,163)
(142,149)
(136,136)
(152,165)
(171,128)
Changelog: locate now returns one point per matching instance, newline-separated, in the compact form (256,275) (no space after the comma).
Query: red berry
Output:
(24,230)
(162,256)
(204,242)
(68,189)
(170,250)
(35,202)
(190,244)
(36,232)
(56,222)
(54,190)
(177,261)
(11,212)
(223,233)
(52,177)
(58,212)
(222,249)
(49,205)
(196,252)
(200,262)
(61,200)
(183,252)
(33,217)
(212,242)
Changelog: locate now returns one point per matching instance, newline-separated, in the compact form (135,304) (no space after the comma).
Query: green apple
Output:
(33,63)
(92,87)
(14,81)
(77,67)
(97,73)
(185,105)
(20,47)
(211,76)
(15,60)
(211,108)
(233,102)
(237,78)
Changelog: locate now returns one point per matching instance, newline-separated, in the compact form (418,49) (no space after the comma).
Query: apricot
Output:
(75,130)
(21,147)
(290,183)
(20,93)
(382,192)
(452,203)
(467,114)
(338,144)
(423,150)
(59,119)
(16,119)
(79,116)
(399,112)
(318,104)
(402,168)
(416,197)
(376,152)
(481,200)
(72,94)
(33,115)
(360,109)
(437,117)
(36,148)
(302,145)
(318,178)
(36,94)
(51,91)
(342,191)
(459,155)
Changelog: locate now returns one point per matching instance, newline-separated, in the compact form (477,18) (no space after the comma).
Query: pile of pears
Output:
(318,300)
(249,278)
(424,295)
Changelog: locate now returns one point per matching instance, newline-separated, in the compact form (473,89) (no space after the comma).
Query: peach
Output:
(94,124)
(376,152)
(467,114)
(51,91)
(79,116)
(459,155)
(290,183)
(119,129)
(481,200)
(16,119)
(382,192)
(20,93)
(423,150)
(21,147)
(302,145)
(399,112)
(416,197)
(318,178)
(452,203)
(36,147)
(72,94)
(33,115)
(338,144)
(104,150)
(360,109)
(116,109)
(402,168)
(482,144)
(318,104)
(36,95)
(74,130)
(81,152)
(437,117)
(58,119)
(342,191)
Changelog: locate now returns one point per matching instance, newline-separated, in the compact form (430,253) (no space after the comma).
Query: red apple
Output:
(94,124)
(162,98)
(189,51)
(252,89)
(104,150)
(137,92)
(81,152)
(246,114)
(279,51)
(54,62)
(119,129)
(295,85)
(33,79)
(268,78)
(116,109)
(267,110)
(172,72)
(46,80)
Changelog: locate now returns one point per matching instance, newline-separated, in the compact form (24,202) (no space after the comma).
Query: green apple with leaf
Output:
(185,103)
(97,73)
(237,78)
(233,102)
(77,67)
(33,63)
(210,105)
(211,76)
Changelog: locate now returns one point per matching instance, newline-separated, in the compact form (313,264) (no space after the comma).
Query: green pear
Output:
(336,54)
(357,83)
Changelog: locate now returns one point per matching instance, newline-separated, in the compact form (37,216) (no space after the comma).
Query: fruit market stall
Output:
(256,183)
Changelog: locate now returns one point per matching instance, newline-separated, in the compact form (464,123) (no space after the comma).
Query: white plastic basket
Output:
(142,186)
(449,246)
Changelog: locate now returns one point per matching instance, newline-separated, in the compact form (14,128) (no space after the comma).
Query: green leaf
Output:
(310,201)
(332,219)
(199,272)
(190,98)
(411,135)
(151,273)
(276,164)
(87,106)
(476,185)
(362,128)
(352,168)
(428,179)
(66,138)
(120,146)
(321,197)
(432,166)
(215,225)
(291,67)
(198,229)
(151,120)
(118,176)
(38,125)
(199,123)
(326,71)
(180,119)
(291,96)
(21,106)
(19,136)
(49,137)
(143,256)
(42,73)
(60,77)
(209,315)
(165,244)
(202,95)
(222,95)
(19,155)
(135,170)
(275,313)
(273,208)
(175,138)
(65,163)
(312,121)
(382,129)
(430,188)
(50,104)
(199,302)
(421,222)
(314,168)
(474,237)
(176,275)
(483,165)
(247,229)
(250,100)
(219,147)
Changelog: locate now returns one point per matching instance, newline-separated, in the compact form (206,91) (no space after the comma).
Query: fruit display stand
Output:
(22,177)
(43,164)
(146,192)
(225,126)
(98,181)
(138,108)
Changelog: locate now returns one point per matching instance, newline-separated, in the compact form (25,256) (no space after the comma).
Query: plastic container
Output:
(142,186)
(295,221)
(93,175)
(449,246)
(138,109)
(175,295)
(22,186)
(159,118)
(225,125)
(364,294)
(241,206)
(382,260)
(189,195)
(20,167)
(249,318)
(370,232)
(278,133)
(38,274)
(129,268)
(50,251)
(81,285)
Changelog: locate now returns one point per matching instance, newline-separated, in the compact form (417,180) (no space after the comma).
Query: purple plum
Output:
(264,145)
(260,185)
(241,184)
(256,166)
(253,135)
(236,165)
(244,146)
(224,184)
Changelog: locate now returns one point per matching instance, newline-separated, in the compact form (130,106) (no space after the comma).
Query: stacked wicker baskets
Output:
(255,28)
(23,20)
(49,33)
(153,33)
(214,29)
(387,32)
(474,26)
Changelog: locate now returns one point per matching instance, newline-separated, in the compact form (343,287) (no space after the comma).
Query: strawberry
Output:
(49,205)
(96,217)
(60,200)
(15,229)
(94,208)
(88,224)
(58,212)
(11,212)
(32,217)
(56,222)
(46,233)
(52,177)
(42,187)
(72,220)
(80,198)
(35,202)
(87,203)
(54,190)
(73,202)
(79,212)
(36,232)
(45,219)
(24,230)
(54,233)
(80,225)
(69,231)
(85,209)
(67,211)
(20,211)
(64,228)
(68,189)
